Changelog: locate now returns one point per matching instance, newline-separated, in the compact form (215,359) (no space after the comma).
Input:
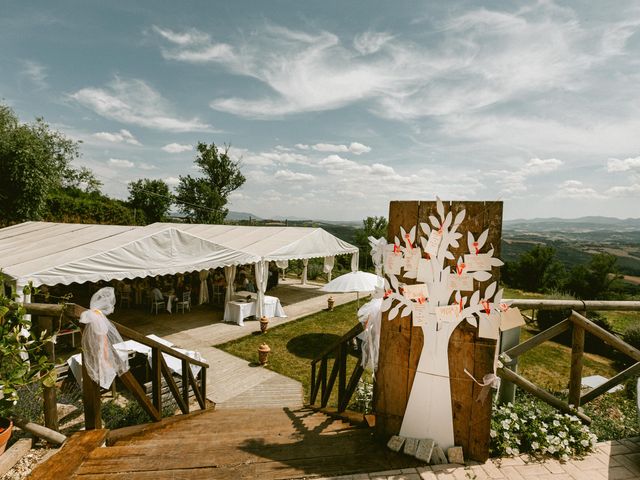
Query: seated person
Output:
(157,295)
(249,286)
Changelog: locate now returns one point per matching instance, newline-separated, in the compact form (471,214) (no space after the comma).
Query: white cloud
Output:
(625,190)
(618,165)
(135,102)
(121,163)
(36,73)
(289,176)
(302,146)
(370,42)
(514,180)
(578,190)
(191,37)
(172,181)
(146,166)
(122,136)
(355,148)
(177,148)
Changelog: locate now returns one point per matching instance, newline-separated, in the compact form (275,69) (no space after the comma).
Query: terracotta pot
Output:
(264,324)
(263,353)
(6,426)
(330,303)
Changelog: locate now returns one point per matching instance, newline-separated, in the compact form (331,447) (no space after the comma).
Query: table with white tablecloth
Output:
(238,310)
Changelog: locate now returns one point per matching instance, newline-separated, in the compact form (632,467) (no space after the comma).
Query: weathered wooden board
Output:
(401,345)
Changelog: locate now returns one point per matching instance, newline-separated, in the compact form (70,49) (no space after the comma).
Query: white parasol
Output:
(354,282)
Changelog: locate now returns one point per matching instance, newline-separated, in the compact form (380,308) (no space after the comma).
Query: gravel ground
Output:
(23,468)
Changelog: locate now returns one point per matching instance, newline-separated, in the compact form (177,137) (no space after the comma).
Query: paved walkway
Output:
(231,381)
(615,460)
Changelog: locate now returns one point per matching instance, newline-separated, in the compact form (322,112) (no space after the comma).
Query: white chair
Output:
(125,295)
(157,302)
(218,294)
(185,303)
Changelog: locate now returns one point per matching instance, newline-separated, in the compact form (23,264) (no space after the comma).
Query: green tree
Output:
(152,197)
(34,160)
(536,271)
(593,281)
(204,199)
(371,227)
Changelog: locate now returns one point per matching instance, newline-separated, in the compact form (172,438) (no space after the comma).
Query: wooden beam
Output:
(13,455)
(171,383)
(200,396)
(536,340)
(51,436)
(136,390)
(575,377)
(185,383)
(357,329)
(605,336)
(66,461)
(326,392)
(90,400)
(606,386)
(156,379)
(49,393)
(351,386)
(138,337)
(538,392)
(587,305)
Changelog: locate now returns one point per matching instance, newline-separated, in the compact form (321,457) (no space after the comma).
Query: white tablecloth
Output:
(237,311)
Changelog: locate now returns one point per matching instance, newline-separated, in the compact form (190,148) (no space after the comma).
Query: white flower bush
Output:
(524,428)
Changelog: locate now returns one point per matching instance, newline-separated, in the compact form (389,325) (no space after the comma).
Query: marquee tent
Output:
(50,253)
(274,244)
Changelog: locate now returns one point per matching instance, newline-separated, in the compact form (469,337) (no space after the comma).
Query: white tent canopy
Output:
(48,254)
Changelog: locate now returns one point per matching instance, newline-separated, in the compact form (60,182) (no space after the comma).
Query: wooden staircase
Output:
(270,443)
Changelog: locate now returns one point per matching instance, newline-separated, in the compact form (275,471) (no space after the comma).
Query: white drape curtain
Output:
(305,264)
(262,274)
(230,277)
(355,261)
(328,266)
(204,288)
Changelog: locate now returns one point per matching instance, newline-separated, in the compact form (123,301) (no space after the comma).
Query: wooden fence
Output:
(49,317)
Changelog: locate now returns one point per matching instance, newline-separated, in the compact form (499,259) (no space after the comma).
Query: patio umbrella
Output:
(354,282)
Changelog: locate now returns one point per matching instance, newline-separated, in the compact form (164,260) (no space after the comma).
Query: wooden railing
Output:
(323,384)
(49,317)
(579,324)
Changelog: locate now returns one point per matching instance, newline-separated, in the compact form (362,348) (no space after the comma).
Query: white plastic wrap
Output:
(101,359)
(370,315)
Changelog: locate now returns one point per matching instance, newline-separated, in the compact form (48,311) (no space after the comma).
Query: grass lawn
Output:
(295,344)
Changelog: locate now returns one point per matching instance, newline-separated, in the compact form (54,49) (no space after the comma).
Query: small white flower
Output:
(535,445)
(494,434)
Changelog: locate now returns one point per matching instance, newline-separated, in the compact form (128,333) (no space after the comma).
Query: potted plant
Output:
(23,359)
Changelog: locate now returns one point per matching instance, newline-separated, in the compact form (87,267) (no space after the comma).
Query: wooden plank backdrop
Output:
(401,345)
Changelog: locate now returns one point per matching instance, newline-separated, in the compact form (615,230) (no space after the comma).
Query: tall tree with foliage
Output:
(204,199)
(537,270)
(34,161)
(593,281)
(371,227)
(151,197)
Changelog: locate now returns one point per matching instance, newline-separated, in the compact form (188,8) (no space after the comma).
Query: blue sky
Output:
(335,108)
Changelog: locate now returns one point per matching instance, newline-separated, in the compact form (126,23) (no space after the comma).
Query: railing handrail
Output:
(577,305)
(350,335)
(149,342)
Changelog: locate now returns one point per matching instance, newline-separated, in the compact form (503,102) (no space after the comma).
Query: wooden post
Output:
(156,378)
(575,378)
(49,393)
(401,345)
(90,400)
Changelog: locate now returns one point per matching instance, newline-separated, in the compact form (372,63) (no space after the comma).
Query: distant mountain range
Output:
(582,224)
(236,216)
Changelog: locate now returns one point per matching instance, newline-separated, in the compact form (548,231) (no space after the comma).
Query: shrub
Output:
(363,397)
(632,336)
(118,414)
(592,344)
(525,428)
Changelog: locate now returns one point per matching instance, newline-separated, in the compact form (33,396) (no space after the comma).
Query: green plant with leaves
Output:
(526,428)
(152,197)
(23,358)
(204,199)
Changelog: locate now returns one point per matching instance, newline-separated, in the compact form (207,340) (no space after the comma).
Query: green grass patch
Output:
(294,344)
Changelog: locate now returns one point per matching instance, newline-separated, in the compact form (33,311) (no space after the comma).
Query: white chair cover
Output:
(98,338)
(355,261)
(262,275)
(370,315)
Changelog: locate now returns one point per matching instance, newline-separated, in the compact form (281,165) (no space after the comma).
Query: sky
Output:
(336,108)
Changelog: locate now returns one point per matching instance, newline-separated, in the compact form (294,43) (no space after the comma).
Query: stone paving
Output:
(616,460)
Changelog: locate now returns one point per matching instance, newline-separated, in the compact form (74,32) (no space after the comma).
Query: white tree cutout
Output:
(428,413)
